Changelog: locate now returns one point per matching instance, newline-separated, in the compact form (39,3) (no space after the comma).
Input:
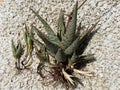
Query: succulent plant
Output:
(17,53)
(66,49)
(28,34)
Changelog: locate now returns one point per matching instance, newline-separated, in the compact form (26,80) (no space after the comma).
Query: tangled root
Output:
(58,75)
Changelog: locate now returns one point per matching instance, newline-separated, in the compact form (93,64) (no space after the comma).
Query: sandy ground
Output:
(105,44)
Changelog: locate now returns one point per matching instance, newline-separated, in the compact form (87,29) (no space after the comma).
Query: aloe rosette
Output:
(66,47)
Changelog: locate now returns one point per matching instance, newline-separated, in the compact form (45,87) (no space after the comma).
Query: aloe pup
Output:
(28,34)
(17,51)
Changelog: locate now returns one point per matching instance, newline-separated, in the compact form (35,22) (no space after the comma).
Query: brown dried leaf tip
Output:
(66,48)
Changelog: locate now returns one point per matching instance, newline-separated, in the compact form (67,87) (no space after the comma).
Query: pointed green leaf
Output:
(70,33)
(25,37)
(19,50)
(60,56)
(79,28)
(49,45)
(28,34)
(83,60)
(51,52)
(87,58)
(61,25)
(72,47)
(30,45)
(51,35)
(30,42)
(79,40)
(73,59)
(42,55)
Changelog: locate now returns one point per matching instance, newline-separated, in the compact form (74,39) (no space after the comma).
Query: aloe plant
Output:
(66,49)
(65,46)
(28,34)
(17,51)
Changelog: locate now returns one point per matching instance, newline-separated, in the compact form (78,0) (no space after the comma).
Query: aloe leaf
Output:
(25,37)
(83,60)
(60,56)
(79,28)
(73,59)
(30,44)
(49,45)
(28,34)
(61,25)
(70,33)
(87,58)
(29,41)
(52,52)
(79,40)
(72,47)
(19,50)
(51,35)
(42,55)
(81,48)
(87,32)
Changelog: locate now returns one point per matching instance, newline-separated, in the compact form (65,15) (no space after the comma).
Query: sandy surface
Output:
(105,44)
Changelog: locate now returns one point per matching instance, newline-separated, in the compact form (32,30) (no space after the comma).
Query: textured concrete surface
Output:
(105,44)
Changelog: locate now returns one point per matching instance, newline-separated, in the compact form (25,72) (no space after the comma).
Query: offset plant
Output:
(17,53)
(66,48)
